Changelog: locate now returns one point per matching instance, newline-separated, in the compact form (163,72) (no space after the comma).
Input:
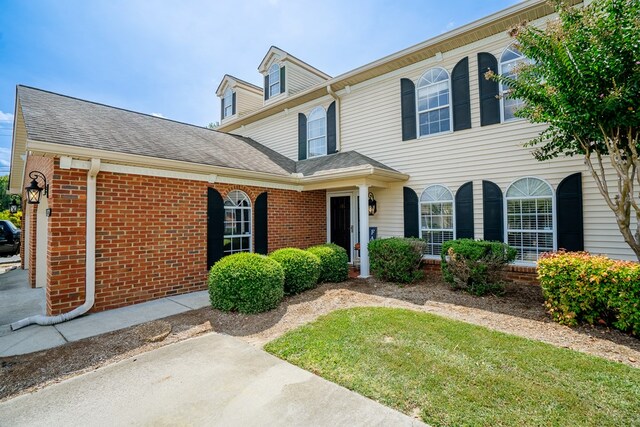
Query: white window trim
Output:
(502,92)
(250,209)
(326,141)
(449,106)
(554,216)
(271,83)
(453,215)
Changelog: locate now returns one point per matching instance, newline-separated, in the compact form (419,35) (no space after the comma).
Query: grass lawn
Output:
(453,373)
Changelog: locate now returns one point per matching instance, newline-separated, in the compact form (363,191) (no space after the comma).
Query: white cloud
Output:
(157,115)
(6,117)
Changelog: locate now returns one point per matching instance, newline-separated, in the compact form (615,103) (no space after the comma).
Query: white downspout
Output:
(90,262)
(338,120)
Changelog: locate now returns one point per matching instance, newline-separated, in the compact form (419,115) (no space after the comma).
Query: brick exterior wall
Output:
(513,273)
(151,235)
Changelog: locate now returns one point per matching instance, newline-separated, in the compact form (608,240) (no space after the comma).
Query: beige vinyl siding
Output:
(280,131)
(371,125)
(247,101)
(299,79)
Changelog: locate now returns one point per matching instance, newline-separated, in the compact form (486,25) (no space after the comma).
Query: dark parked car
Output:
(9,238)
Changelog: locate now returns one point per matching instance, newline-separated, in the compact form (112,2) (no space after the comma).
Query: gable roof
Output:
(286,56)
(338,161)
(60,119)
(228,78)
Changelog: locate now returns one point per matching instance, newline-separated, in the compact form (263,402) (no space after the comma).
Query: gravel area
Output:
(519,312)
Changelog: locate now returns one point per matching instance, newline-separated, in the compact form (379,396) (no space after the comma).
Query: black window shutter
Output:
(411,213)
(215,226)
(266,87)
(489,102)
(408,108)
(282,79)
(460,95)
(222,108)
(464,211)
(302,136)
(261,224)
(233,103)
(569,207)
(331,129)
(492,211)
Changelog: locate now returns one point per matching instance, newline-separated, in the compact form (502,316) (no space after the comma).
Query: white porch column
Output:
(363,220)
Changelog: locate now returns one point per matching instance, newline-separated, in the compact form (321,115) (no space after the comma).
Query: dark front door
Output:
(341,222)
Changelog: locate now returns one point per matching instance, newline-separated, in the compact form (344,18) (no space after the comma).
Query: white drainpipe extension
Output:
(339,122)
(90,262)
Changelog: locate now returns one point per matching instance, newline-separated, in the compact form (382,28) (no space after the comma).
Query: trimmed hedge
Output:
(396,259)
(334,262)
(475,265)
(579,287)
(246,282)
(301,269)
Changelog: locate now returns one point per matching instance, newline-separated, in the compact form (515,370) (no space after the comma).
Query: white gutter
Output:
(90,262)
(338,119)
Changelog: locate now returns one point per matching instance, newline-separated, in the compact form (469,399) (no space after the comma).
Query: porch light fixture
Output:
(373,205)
(34,190)
(13,207)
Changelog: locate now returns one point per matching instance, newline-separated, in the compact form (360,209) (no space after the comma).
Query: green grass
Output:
(457,374)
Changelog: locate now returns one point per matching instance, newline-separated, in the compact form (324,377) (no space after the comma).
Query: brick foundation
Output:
(513,273)
(151,235)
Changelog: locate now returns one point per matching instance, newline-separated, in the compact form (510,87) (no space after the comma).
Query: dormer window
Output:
(317,133)
(274,80)
(227,103)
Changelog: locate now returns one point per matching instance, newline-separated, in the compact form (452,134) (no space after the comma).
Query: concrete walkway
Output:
(18,302)
(213,380)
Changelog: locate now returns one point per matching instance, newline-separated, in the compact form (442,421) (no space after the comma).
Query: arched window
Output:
(436,217)
(509,61)
(227,103)
(529,213)
(434,112)
(274,80)
(237,223)
(317,133)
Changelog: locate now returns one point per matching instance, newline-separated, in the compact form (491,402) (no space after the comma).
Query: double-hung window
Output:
(274,80)
(509,61)
(436,217)
(237,223)
(317,133)
(227,103)
(433,102)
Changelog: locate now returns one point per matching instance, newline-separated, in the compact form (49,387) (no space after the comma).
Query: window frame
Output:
(325,136)
(449,105)
(274,69)
(227,94)
(234,208)
(453,218)
(501,91)
(554,216)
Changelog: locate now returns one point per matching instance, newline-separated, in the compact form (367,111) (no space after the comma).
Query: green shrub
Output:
(579,287)
(246,282)
(334,262)
(301,269)
(396,259)
(475,265)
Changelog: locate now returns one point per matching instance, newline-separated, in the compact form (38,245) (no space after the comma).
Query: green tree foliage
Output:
(584,82)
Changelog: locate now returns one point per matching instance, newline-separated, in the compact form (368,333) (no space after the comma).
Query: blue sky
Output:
(167,57)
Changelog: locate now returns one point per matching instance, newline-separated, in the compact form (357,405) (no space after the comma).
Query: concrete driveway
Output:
(213,380)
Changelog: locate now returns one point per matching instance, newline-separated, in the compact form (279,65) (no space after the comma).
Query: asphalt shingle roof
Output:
(60,119)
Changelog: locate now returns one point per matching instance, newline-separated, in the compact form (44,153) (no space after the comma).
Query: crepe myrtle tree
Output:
(584,82)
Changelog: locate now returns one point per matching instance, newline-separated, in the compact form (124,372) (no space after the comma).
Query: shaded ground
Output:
(519,312)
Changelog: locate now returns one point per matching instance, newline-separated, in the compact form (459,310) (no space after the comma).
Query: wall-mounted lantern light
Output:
(34,190)
(373,205)
(13,207)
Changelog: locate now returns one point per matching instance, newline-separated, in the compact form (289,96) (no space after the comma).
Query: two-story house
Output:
(417,143)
